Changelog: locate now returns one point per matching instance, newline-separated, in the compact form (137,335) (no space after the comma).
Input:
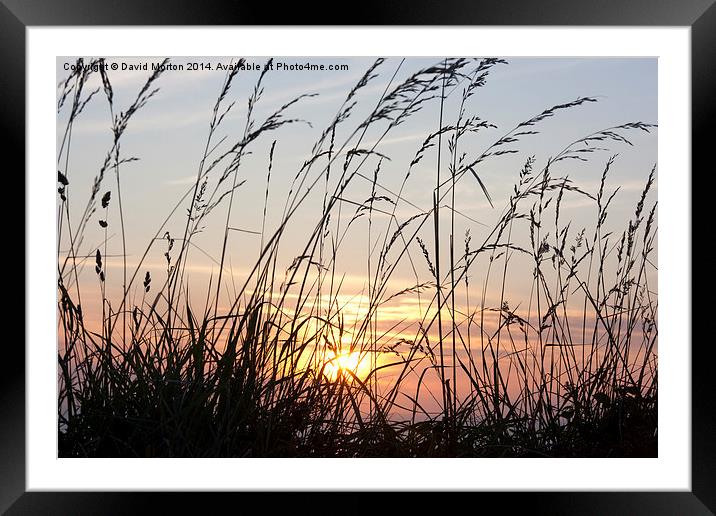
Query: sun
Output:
(347,365)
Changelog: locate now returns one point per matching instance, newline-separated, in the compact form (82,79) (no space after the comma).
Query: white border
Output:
(670,471)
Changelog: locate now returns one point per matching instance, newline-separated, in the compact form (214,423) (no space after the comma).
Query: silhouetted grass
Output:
(161,377)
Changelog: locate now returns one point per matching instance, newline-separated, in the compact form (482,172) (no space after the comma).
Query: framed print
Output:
(439,254)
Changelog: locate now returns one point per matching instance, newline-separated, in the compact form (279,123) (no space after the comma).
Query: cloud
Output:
(182,181)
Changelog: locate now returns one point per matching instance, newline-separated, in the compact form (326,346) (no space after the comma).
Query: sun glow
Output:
(348,365)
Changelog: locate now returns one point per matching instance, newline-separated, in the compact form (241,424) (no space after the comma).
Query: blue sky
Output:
(168,136)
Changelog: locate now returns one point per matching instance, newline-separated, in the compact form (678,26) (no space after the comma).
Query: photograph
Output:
(357,257)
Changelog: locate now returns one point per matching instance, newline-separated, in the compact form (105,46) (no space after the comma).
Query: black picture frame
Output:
(17,15)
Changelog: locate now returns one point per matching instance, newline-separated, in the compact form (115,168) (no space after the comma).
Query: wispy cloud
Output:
(182,181)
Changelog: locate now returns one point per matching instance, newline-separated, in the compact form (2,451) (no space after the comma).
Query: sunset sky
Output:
(168,136)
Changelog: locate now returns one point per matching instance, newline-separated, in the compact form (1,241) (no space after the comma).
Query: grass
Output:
(570,371)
